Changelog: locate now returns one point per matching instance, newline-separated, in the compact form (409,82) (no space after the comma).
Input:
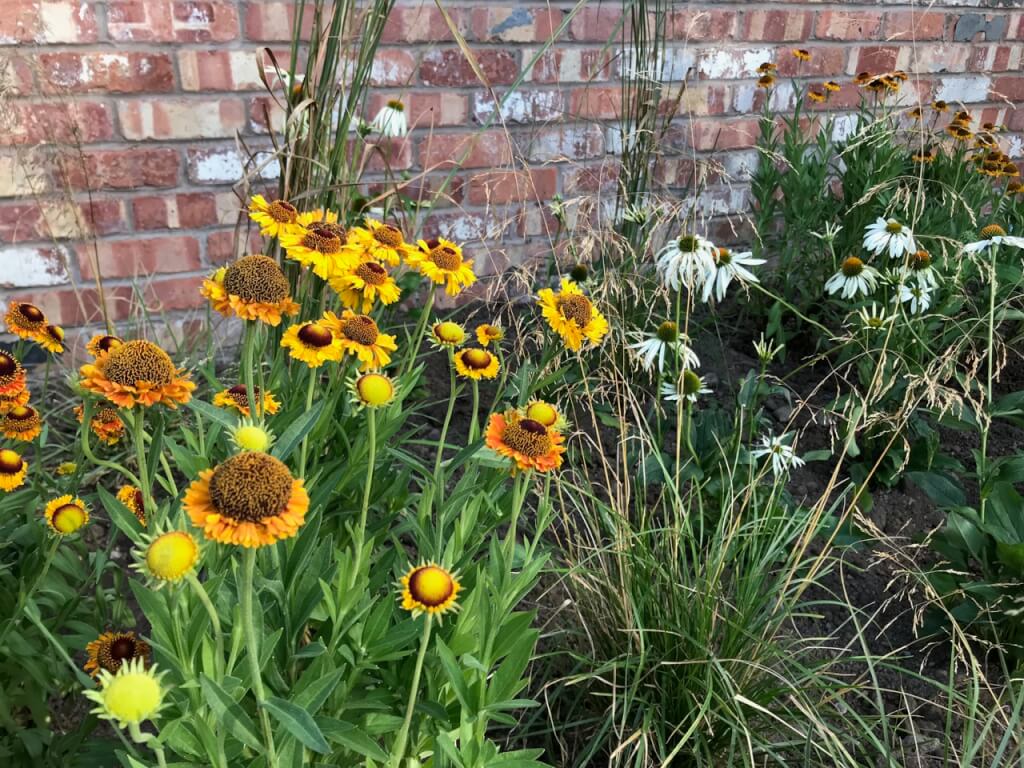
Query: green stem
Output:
(246,589)
(474,426)
(211,611)
(421,324)
(398,752)
(438,479)
(247,345)
(371,430)
(139,438)
(522,483)
(309,405)
(23,597)
(989,374)
(87,450)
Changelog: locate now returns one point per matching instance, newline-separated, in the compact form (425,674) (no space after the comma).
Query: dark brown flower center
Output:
(576,308)
(993,230)
(527,436)
(446,257)
(256,278)
(283,212)
(21,413)
(55,332)
(852,266)
(920,260)
(136,361)
(105,343)
(10,462)
(31,313)
(324,238)
(477,359)
(8,365)
(240,395)
(372,273)
(387,235)
(106,415)
(315,335)
(250,486)
(361,329)
(122,649)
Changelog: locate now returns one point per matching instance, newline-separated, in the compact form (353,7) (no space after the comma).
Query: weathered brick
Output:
(139,257)
(496,187)
(569,65)
(568,142)
(424,23)
(392,66)
(107,72)
(79,122)
(119,168)
(450,67)
(219,70)
(47,21)
(182,21)
(272,21)
(776,26)
(181,119)
(520,106)
(22,174)
(476,150)
(514,24)
(426,109)
(598,23)
(699,25)
(848,25)
(221,246)
(226,165)
(27,266)
(182,211)
(596,103)
(915,25)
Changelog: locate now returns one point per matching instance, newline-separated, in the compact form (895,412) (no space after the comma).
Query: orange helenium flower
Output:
(527,442)
(137,372)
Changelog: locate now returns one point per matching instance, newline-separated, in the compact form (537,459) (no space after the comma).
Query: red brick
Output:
(1007,88)
(514,24)
(848,25)
(139,257)
(221,247)
(181,118)
(17,76)
(103,217)
(776,26)
(701,25)
(598,23)
(426,109)
(824,62)
(721,135)
(120,169)
(592,179)
(173,294)
(905,26)
(596,103)
(449,67)
(571,65)
(181,211)
(273,21)
(19,222)
(489,149)
(181,21)
(392,66)
(423,23)
(81,122)
(391,155)
(877,58)
(220,70)
(47,21)
(107,72)
(513,186)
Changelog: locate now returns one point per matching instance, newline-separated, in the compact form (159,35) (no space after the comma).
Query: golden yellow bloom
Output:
(817,96)
(1014,187)
(320,246)
(958,132)
(168,557)
(572,316)
(831,86)
(313,343)
(441,261)
(13,469)
(487,333)
(429,589)
(13,400)
(25,320)
(546,414)
(131,696)
(447,334)
(766,67)
(274,217)
(940,106)
(360,286)
(766,80)
(926,155)
(360,336)
(112,649)
(105,423)
(51,338)
(12,375)
(66,468)
(530,444)
(379,242)
(66,514)
(99,343)
(131,497)
(372,390)
(250,499)
(251,435)
(251,288)
(863,78)
(21,423)
(137,372)
(802,54)
(473,363)
(237,397)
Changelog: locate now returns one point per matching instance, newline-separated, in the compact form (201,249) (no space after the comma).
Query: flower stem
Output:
(983,453)
(211,611)
(438,479)
(247,344)
(371,431)
(139,438)
(87,450)
(522,483)
(474,427)
(23,597)
(398,752)
(246,589)
(309,405)
(414,350)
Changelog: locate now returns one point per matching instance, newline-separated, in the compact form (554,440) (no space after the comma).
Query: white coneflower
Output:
(729,266)
(686,262)
(918,296)
(652,349)
(853,277)
(783,455)
(391,121)
(872,319)
(889,235)
(991,235)
(688,387)
(918,268)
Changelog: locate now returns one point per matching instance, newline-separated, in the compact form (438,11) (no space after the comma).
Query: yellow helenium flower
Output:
(487,333)
(473,363)
(372,390)
(447,334)
(137,372)
(360,336)
(529,443)
(546,414)
(25,320)
(251,288)
(113,649)
(377,241)
(51,338)
(313,343)
(572,316)
(237,397)
(131,696)
(250,500)
(131,497)
(429,589)
(168,557)
(320,246)
(21,423)
(101,343)
(12,375)
(441,261)
(13,469)
(66,514)
(360,286)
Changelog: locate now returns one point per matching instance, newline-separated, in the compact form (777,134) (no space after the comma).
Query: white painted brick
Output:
(25,266)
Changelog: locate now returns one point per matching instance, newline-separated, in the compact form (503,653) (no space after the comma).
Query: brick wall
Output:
(153,92)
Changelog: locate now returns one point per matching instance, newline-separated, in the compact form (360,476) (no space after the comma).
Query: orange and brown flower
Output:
(21,423)
(237,397)
(530,444)
(25,320)
(251,288)
(112,649)
(105,423)
(12,375)
(137,372)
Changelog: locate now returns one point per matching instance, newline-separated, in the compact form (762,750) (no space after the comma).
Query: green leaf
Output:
(454,672)
(350,737)
(299,723)
(299,429)
(230,713)
(214,414)
(939,488)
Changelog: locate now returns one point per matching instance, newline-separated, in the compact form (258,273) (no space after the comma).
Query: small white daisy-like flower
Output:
(686,262)
(918,296)
(873,319)
(918,268)
(889,235)
(782,454)
(652,349)
(991,235)
(391,121)
(729,266)
(688,387)
(853,277)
